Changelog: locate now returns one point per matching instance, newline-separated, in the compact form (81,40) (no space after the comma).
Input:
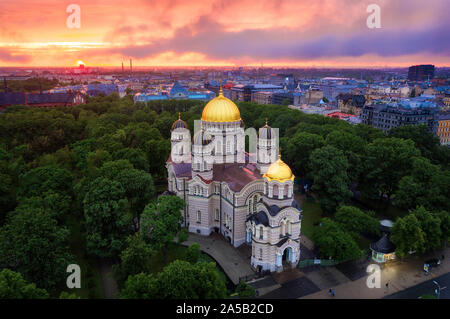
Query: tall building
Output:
(247,202)
(443,130)
(412,112)
(422,72)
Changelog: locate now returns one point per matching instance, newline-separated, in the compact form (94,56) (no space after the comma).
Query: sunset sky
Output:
(225,32)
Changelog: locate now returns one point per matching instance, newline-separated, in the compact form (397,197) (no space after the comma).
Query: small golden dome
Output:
(279,171)
(221,109)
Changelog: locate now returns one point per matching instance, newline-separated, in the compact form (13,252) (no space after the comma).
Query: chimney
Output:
(131,66)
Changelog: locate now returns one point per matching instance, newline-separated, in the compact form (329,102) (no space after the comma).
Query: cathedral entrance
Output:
(287,255)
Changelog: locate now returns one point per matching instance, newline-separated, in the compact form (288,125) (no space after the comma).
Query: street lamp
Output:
(438,290)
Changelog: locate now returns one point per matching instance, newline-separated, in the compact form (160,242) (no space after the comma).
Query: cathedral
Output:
(248,200)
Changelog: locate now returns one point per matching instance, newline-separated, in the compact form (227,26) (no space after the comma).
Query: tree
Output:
(351,145)
(407,235)
(160,223)
(329,168)
(423,138)
(355,220)
(427,185)
(178,280)
(140,286)
(431,227)
(386,161)
(299,149)
(13,286)
(444,217)
(108,220)
(135,258)
(66,295)
(45,179)
(333,242)
(33,244)
(138,185)
(193,253)
(183,280)
(244,290)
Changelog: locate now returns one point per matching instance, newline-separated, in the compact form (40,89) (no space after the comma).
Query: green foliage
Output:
(329,168)
(427,185)
(108,220)
(193,253)
(299,148)
(245,291)
(13,286)
(386,161)
(66,295)
(407,235)
(140,286)
(160,223)
(33,244)
(45,179)
(31,85)
(135,258)
(444,216)
(431,227)
(424,140)
(334,243)
(355,220)
(178,280)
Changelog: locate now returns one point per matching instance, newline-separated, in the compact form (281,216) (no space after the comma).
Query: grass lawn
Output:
(90,276)
(311,215)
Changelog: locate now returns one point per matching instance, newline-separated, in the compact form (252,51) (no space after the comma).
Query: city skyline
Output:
(318,34)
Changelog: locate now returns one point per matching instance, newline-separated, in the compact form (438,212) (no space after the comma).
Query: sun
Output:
(79,62)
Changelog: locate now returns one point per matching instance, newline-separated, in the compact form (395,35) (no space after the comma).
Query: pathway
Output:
(400,276)
(232,260)
(109,284)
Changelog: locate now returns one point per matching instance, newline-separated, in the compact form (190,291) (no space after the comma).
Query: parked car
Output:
(433,262)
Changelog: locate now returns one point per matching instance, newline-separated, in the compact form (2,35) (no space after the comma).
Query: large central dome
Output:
(221,109)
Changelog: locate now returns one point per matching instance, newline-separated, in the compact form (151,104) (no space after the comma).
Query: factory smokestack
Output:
(131,66)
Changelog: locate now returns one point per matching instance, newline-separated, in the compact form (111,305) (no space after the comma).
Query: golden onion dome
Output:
(279,171)
(221,109)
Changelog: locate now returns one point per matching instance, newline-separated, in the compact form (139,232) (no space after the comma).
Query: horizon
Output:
(248,33)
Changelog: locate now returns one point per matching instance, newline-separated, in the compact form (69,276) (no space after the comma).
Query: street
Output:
(426,287)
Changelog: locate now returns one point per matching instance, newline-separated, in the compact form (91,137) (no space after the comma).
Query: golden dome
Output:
(279,171)
(221,109)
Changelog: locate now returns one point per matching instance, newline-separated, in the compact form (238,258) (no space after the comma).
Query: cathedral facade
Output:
(248,199)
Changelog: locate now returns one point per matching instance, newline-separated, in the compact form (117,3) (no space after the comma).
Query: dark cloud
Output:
(211,39)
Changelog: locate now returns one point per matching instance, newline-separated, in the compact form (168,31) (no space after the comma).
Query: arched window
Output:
(275,191)
(261,232)
(255,201)
(217,216)
(260,254)
(228,147)
(199,216)
(288,226)
(282,228)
